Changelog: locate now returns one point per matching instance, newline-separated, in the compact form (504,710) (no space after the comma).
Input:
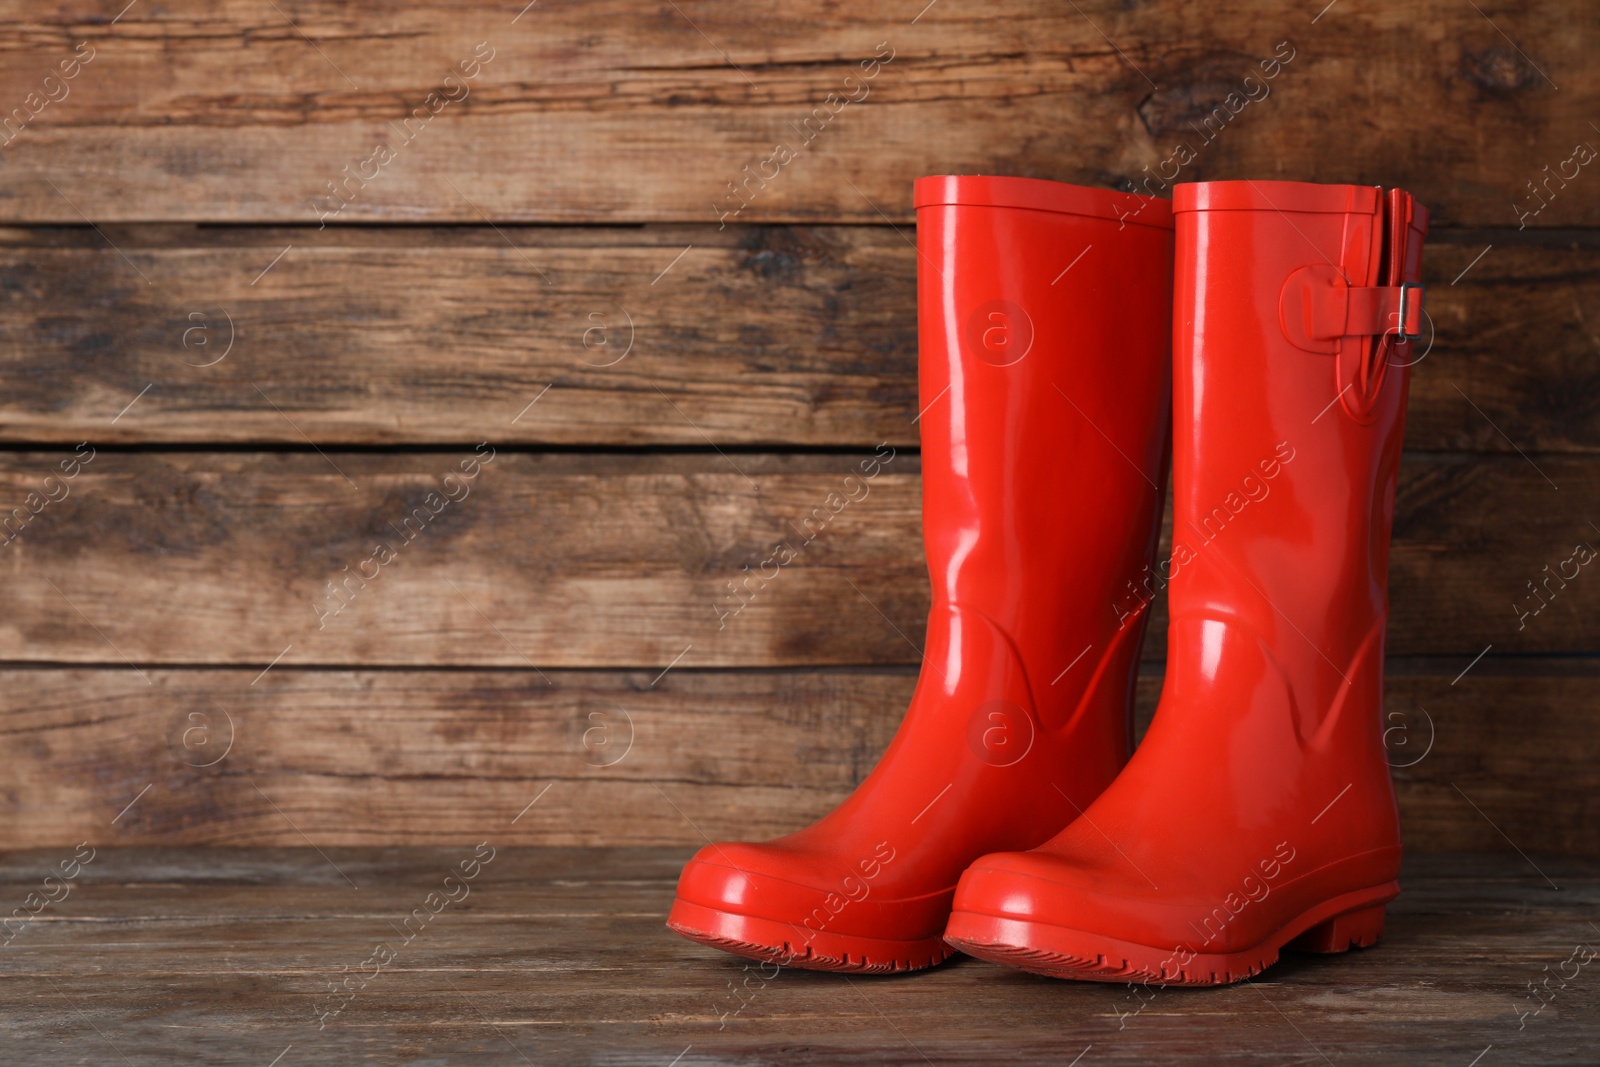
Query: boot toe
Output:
(1042,913)
(767,902)
(742,877)
(1025,886)
(1011,897)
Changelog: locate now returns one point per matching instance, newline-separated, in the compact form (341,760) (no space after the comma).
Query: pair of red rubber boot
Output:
(1006,818)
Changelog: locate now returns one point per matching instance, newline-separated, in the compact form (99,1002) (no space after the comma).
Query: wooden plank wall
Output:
(270,273)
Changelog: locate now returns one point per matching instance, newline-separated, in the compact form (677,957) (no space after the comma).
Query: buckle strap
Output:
(1382,309)
(1317,308)
(1368,329)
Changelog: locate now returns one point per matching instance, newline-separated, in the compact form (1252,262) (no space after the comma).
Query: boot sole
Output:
(772,941)
(1352,920)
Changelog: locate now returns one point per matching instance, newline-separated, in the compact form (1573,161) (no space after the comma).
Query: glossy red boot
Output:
(1043,318)
(1258,811)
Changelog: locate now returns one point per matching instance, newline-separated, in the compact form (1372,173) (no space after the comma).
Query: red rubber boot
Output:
(1043,317)
(1258,812)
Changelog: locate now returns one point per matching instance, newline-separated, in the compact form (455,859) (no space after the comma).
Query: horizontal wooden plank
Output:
(1513,361)
(559,956)
(578,560)
(423,757)
(755,336)
(545,560)
(206,757)
(585,112)
(1474,754)
(784,336)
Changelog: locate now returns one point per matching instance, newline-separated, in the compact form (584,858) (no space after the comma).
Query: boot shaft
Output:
(1043,320)
(1289,394)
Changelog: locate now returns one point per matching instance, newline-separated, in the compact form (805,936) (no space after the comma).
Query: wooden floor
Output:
(559,956)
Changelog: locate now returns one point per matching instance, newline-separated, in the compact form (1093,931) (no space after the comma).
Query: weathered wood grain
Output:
(557,560)
(560,957)
(550,560)
(425,757)
(785,336)
(622,111)
(773,336)
(204,757)
(1515,360)
(1506,751)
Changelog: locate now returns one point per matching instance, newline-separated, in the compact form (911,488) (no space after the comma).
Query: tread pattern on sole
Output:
(1361,927)
(811,960)
(1103,968)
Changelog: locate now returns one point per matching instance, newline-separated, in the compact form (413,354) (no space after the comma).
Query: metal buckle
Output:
(1406,289)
